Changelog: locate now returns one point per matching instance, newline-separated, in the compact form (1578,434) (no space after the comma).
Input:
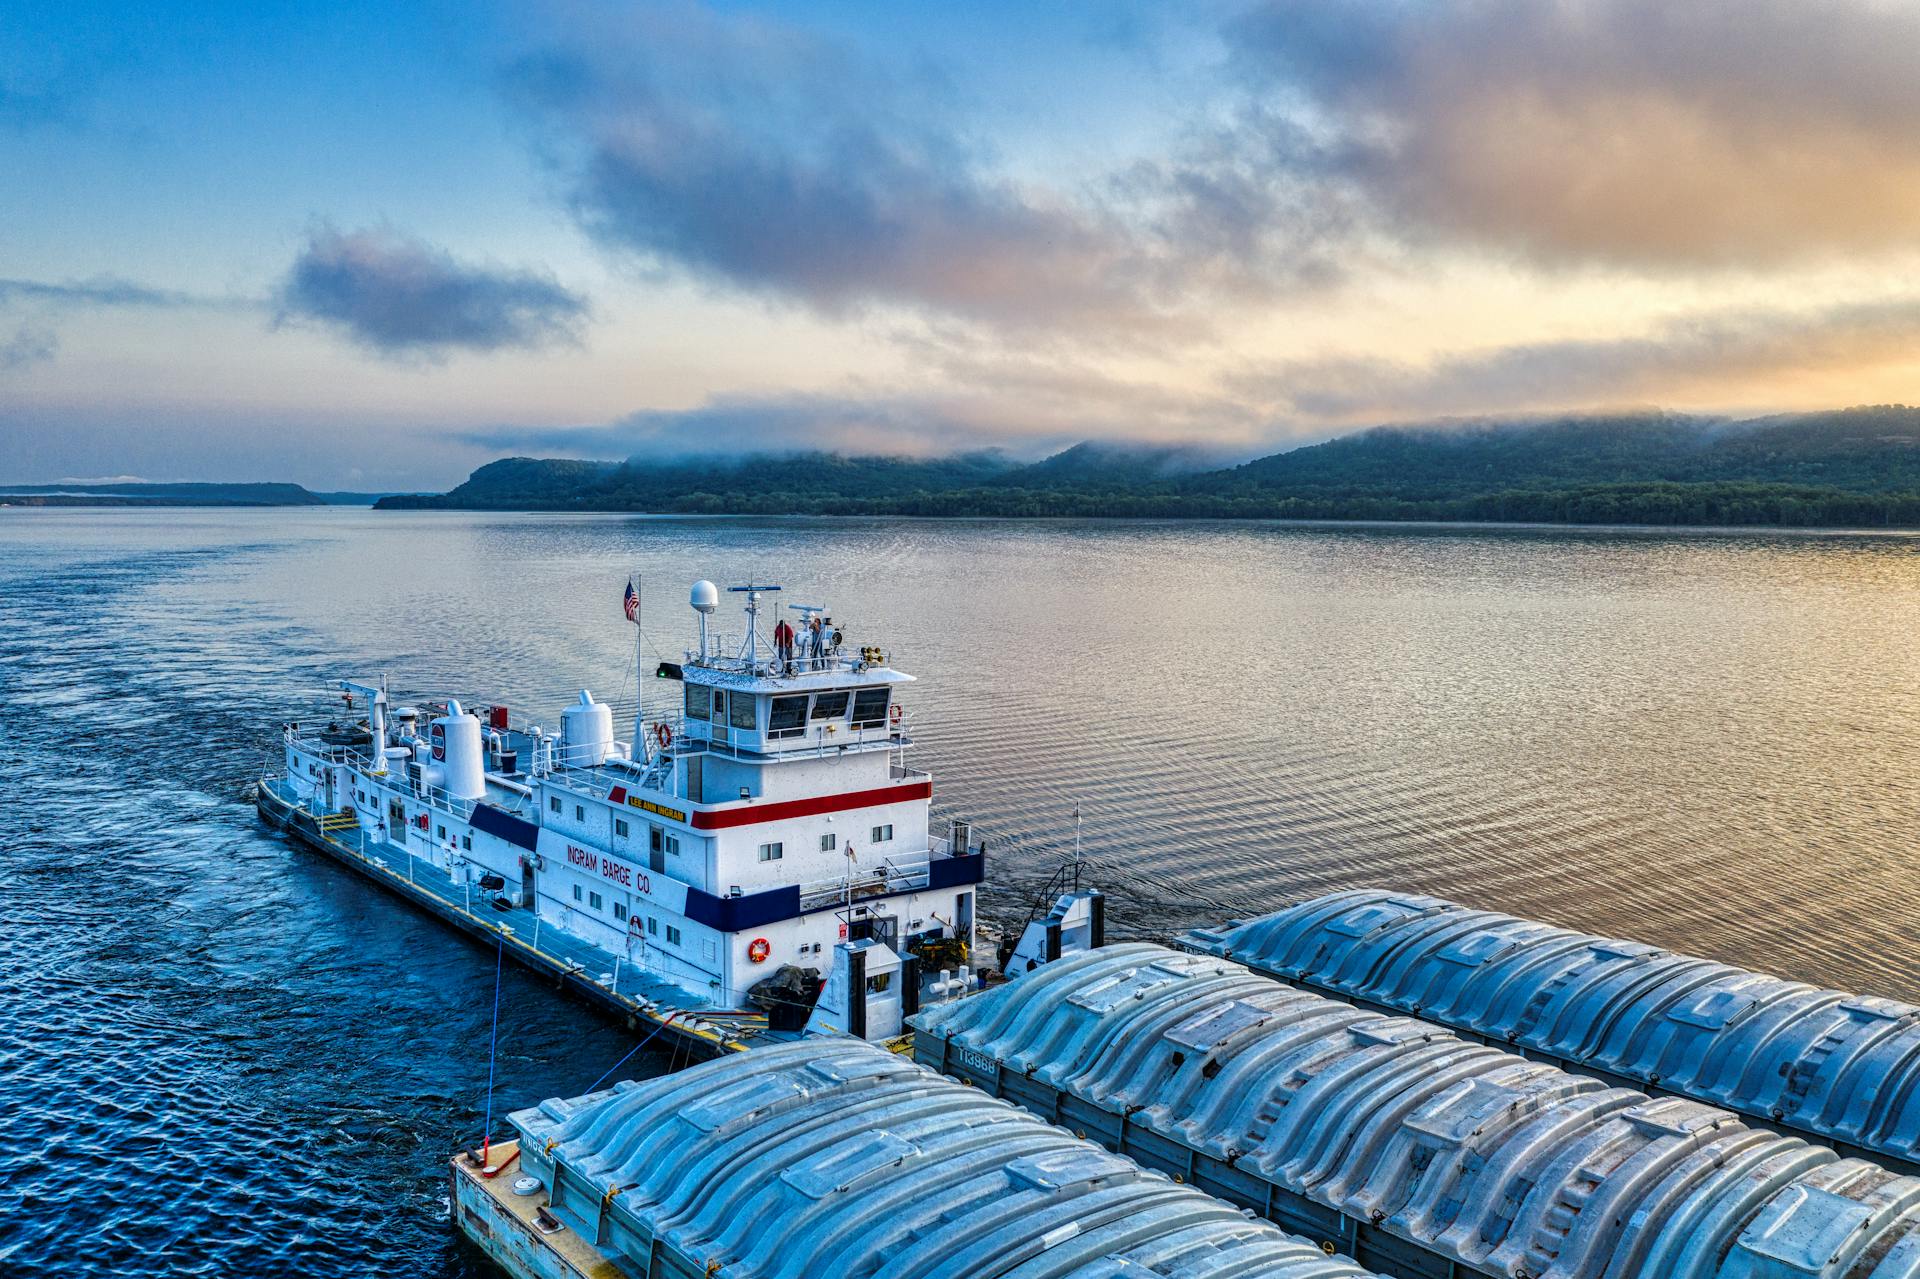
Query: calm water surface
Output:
(222,1055)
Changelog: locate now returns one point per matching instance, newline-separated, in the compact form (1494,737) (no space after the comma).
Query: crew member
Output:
(815,642)
(783,641)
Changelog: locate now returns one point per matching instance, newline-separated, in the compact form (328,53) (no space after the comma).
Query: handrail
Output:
(817,745)
(435,796)
(836,660)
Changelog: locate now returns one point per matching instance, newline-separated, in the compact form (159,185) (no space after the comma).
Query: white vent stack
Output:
(456,739)
(586,733)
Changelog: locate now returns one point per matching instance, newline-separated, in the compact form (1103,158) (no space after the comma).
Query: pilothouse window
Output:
(830,705)
(699,701)
(788,718)
(870,707)
(743,711)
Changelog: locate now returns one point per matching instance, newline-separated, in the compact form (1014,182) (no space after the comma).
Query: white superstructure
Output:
(768,820)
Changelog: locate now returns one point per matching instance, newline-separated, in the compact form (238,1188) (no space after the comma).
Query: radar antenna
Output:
(753,593)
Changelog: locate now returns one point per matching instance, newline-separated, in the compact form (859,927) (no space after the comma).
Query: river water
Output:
(224,1055)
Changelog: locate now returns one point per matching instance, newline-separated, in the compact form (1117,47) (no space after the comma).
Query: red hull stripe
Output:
(755,814)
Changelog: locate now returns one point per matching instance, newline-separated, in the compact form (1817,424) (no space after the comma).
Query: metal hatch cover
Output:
(1477,948)
(1804,1229)
(1455,1116)
(1673,1117)
(1115,991)
(1214,1026)
(846,1168)
(749,1097)
(1059,1169)
(1373,916)
(1714,1008)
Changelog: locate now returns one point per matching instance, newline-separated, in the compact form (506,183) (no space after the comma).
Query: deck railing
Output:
(435,796)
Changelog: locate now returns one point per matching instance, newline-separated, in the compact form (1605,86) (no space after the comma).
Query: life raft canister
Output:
(758,949)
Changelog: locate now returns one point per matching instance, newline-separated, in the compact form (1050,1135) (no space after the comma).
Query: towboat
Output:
(757,861)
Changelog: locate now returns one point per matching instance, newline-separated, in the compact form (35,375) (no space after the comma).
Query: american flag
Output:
(633,603)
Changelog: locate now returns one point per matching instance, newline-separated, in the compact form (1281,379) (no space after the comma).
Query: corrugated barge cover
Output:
(1427,1154)
(835,1159)
(1842,1068)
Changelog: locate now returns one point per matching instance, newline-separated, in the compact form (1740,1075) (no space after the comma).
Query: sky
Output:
(372,246)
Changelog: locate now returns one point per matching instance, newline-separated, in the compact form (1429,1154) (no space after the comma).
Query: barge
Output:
(1417,1153)
(1836,1068)
(835,1159)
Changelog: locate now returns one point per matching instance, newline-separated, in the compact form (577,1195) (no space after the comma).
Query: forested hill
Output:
(1854,467)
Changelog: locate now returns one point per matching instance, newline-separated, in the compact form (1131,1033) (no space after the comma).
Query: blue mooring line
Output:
(629,1057)
(493,1044)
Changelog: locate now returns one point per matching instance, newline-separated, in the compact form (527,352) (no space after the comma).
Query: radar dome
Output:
(706,596)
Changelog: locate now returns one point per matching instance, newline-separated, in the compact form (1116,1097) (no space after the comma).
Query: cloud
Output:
(54,104)
(882,425)
(1656,135)
(1716,354)
(978,399)
(28,345)
(397,296)
(759,157)
(101,291)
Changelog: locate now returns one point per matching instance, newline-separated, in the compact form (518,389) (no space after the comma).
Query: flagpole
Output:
(639,682)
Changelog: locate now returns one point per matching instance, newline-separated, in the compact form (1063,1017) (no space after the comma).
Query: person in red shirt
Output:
(783,642)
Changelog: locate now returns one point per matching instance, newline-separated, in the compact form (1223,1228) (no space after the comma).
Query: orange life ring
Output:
(663,734)
(895,713)
(758,949)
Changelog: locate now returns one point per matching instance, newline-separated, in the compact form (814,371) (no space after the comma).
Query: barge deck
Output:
(642,1001)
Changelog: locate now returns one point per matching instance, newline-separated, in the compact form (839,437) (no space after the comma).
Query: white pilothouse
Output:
(768,826)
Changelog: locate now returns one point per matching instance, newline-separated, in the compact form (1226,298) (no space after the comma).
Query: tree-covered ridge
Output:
(1865,450)
(1856,467)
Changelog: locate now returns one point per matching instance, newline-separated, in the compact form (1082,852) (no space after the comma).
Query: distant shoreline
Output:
(1372,525)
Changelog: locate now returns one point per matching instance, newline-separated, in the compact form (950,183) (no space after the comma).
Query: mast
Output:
(751,652)
(1076,846)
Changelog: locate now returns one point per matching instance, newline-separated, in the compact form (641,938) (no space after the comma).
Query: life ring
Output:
(758,949)
(895,713)
(663,733)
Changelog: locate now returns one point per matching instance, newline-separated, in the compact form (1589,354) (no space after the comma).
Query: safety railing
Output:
(724,654)
(811,743)
(435,796)
(891,875)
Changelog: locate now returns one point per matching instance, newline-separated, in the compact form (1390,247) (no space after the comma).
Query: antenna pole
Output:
(1076,846)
